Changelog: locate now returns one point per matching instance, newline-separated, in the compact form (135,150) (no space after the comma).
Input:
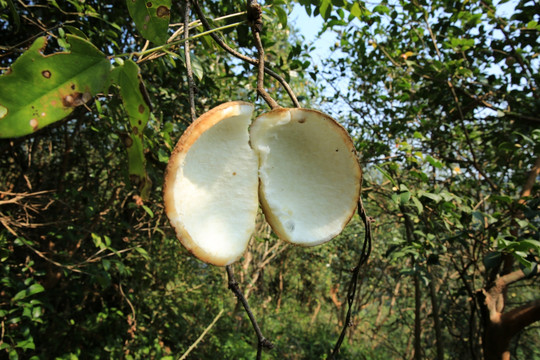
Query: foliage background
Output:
(442,100)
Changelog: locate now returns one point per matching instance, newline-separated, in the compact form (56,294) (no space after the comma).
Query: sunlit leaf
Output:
(40,90)
(148,211)
(355,10)
(151,18)
(381,9)
(434,197)
(325,9)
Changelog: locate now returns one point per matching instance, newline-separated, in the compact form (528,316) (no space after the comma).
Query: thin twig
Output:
(262,341)
(198,23)
(240,56)
(129,303)
(164,47)
(351,292)
(199,339)
(191,85)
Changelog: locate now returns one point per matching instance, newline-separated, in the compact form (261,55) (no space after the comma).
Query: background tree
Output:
(443,97)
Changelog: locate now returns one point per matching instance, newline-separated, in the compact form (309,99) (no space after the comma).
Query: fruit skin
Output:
(187,140)
(285,218)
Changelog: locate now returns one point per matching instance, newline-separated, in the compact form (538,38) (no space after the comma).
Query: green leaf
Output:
(281,14)
(435,163)
(386,175)
(532,25)
(13,355)
(148,211)
(527,244)
(405,197)
(151,18)
(403,187)
(142,252)
(492,259)
(163,156)
(418,204)
(14,15)
(97,240)
(76,31)
(325,9)
(138,111)
(434,197)
(381,9)
(26,344)
(356,11)
(40,90)
(31,290)
(196,67)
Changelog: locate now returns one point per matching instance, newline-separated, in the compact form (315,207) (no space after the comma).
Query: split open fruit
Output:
(300,163)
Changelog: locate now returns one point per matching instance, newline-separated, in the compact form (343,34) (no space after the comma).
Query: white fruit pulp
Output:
(216,189)
(307,172)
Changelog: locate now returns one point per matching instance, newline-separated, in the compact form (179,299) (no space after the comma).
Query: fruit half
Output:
(211,182)
(309,174)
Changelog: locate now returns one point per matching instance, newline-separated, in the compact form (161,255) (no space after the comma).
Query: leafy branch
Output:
(243,57)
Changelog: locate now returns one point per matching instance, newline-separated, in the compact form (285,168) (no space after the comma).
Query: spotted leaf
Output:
(41,89)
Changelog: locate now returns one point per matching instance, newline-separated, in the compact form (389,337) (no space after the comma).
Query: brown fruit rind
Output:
(188,138)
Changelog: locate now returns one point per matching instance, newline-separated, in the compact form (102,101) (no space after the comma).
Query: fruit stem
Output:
(254,13)
(191,83)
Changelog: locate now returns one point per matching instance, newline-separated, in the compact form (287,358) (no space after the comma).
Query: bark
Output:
(531,180)
(499,326)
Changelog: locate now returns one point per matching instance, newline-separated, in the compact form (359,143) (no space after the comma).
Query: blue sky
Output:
(309,27)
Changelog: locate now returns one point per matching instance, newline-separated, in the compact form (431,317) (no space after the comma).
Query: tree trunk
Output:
(499,327)
(417,319)
(436,320)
